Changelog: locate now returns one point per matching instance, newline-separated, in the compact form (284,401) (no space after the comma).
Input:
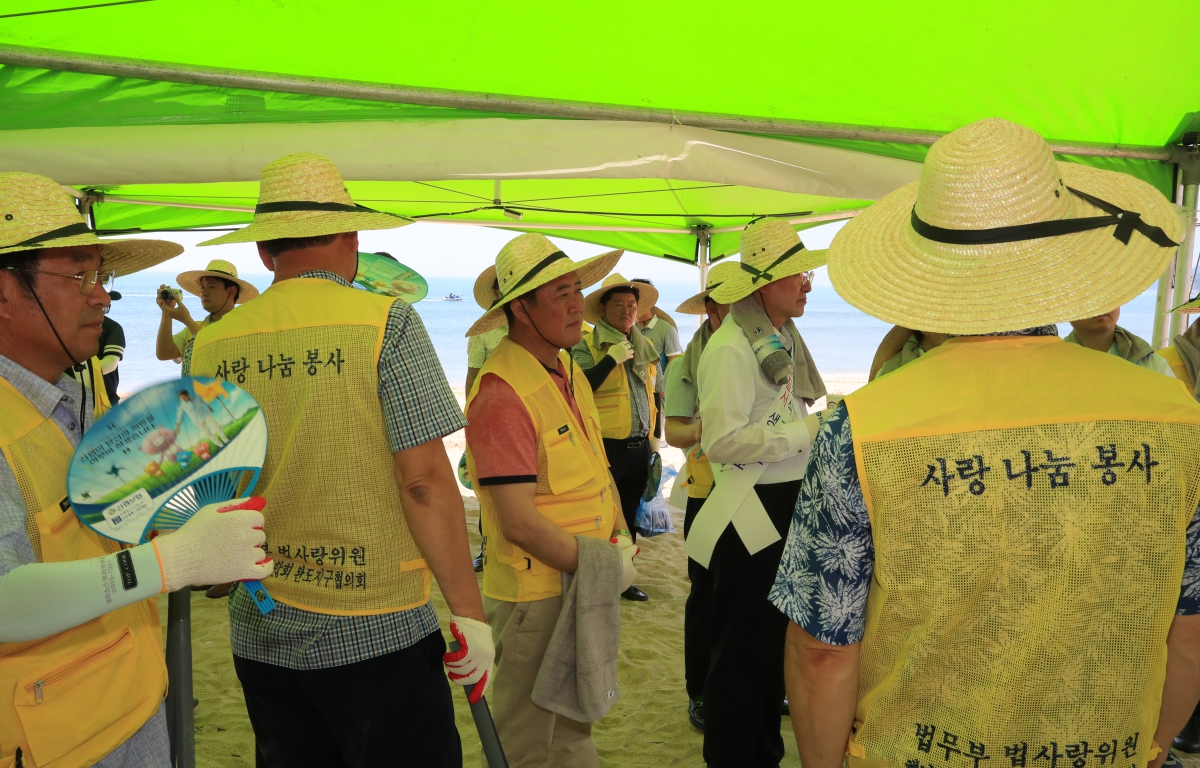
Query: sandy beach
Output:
(647,727)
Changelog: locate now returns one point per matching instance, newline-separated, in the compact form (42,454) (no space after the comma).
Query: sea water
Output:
(841,338)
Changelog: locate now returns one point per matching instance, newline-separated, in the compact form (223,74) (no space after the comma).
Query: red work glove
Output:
(472,663)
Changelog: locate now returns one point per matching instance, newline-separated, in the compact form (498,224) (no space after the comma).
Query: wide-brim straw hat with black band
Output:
(661,314)
(647,297)
(771,250)
(303,195)
(486,287)
(717,274)
(36,213)
(528,262)
(997,236)
(219,268)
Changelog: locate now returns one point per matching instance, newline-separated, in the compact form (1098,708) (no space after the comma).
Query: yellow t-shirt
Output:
(181,339)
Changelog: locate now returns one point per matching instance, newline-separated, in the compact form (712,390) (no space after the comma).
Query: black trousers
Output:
(744,689)
(392,710)
(697,615)
(630,467)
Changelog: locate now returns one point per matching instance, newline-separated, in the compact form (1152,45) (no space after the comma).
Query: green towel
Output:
(773,358)
(691,355)
(1188,345)
(644,352)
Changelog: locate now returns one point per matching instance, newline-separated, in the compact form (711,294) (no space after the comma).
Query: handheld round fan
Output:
(384,275)
(157,457)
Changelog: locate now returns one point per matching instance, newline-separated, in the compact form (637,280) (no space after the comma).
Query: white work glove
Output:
(628,549)
(812,422)
(220,543)
(621,351)
(472,663)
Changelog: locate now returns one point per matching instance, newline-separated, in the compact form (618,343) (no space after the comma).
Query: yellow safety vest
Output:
(308,350)
(1171,355)
(1029,533)
(572,475)
(698,472)
(612,396)
(70,699)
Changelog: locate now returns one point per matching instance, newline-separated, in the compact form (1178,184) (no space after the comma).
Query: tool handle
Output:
(261,597)
(485,726)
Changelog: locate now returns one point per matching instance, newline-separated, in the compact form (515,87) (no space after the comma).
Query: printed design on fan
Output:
(148,465)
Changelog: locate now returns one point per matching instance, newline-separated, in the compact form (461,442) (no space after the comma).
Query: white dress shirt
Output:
(736,399)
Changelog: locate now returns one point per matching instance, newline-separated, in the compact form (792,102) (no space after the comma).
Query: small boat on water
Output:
(453,297)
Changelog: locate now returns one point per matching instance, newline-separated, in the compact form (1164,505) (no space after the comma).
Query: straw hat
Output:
(662,315)
(771,250)
(485,291)
(190,281)
(303,195)
(647,297)
(997,236)
(528,262)
(717,274)
(36,213)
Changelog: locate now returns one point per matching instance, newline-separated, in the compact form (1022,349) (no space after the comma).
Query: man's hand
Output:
(175,308)
(1182,688)
(472,663)
(222,542)
(621,351)
(628,549)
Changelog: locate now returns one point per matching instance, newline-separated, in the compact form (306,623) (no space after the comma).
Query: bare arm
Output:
(472,373)
(1182,689)
(524,526)
(822,688)
(164,345)
(435,515)
(682,433)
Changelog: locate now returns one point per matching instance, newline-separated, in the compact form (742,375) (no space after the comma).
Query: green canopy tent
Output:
(880,80)
(662,127)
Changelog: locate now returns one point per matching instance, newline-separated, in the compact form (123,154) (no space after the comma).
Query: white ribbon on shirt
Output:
(733,499)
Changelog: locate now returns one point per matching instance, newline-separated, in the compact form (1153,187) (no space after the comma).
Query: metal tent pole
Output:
(703,254)
(181,726)
(112,66)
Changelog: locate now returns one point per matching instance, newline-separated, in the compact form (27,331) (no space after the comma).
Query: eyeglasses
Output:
(87,280)
(809,276)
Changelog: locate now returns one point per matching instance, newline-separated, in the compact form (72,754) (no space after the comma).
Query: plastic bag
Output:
(654,516)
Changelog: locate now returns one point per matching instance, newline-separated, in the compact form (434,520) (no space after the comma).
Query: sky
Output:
(449,250)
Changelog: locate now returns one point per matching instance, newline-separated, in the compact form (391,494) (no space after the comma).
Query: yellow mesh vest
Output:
(308,351)
(1171,355)
(99,682)
(612,396)
(698,472)
(1029,500)
(572,475)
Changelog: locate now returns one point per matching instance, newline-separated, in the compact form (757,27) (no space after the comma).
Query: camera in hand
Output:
(166,295)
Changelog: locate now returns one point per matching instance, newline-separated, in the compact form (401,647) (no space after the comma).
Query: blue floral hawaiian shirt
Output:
(829,559)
